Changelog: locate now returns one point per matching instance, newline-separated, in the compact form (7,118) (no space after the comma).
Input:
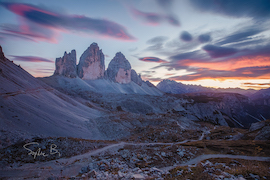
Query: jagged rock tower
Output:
(119,69)
(66,66)
(91,65)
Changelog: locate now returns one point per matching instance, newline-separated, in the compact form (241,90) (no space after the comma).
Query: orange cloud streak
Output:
(229,64)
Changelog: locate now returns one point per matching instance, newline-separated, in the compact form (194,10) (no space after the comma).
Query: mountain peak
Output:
(119,54)
(119,69)
(91,65)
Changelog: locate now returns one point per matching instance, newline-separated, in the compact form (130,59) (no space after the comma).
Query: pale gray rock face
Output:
(119,69)
(136,78)
(66,65)
(91,65)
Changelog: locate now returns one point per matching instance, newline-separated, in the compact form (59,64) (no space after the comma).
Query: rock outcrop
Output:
(66,66)
(136,78)
(2,56)
(91,65)
(119,69)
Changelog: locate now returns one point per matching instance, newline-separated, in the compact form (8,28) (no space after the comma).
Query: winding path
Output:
(71,166)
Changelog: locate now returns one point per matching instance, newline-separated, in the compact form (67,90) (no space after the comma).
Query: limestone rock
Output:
(66,65)
(119,69)
(136,78)
(91,65)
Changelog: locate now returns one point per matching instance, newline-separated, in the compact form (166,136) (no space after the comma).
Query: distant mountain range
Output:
(173,87)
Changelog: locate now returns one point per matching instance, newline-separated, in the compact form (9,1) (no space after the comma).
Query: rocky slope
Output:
(30,108)
(236,109)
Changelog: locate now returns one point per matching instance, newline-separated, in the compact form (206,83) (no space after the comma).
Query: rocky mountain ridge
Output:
(29,107)
(173,87)
(92,67)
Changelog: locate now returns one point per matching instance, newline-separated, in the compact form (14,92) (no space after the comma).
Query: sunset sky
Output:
(214,43)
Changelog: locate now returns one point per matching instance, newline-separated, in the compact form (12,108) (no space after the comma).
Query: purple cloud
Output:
(149,18)
(235,8)
(217,51)
(154,19)
(50,21)
(240,36)
(153,59)
(166,5)
(203,38)
(31,59)
(186,36)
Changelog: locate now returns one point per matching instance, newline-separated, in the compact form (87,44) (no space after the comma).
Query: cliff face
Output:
(66,65)
(91,65)
(119,69)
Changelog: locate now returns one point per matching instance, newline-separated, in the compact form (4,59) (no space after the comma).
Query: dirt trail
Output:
(71,166)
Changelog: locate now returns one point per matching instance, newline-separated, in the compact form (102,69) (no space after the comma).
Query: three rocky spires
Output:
(91,67)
